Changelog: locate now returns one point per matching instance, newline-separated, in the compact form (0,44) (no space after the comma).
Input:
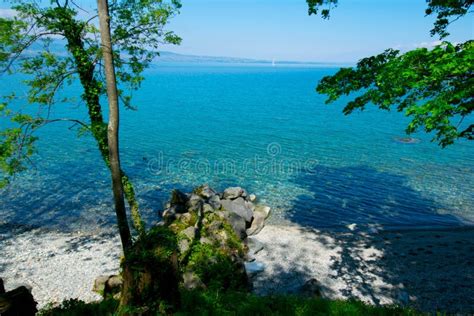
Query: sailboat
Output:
(273,62)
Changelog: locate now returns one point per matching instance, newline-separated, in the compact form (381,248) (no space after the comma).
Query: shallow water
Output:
(263,128)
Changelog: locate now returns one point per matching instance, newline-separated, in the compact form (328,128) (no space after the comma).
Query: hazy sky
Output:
(281,29)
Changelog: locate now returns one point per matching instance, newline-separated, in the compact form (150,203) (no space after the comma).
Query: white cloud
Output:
(7,13)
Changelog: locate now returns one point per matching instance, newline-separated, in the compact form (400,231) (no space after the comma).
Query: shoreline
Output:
(424,268)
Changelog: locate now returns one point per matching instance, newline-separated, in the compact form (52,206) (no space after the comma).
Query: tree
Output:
(434,87)
(137,28)
(113,127)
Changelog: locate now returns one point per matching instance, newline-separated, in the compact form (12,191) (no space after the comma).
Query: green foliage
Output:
(243,303)
(74,307)
(447,11)
(216,269)
(16,143)
(237,303)
(434,87)
(444,10)
(313,7)
(138,29)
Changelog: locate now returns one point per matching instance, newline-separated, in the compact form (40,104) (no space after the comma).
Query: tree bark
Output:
(85,69)
(113,126)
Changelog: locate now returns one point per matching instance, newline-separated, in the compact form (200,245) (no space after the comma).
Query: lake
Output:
(260,127)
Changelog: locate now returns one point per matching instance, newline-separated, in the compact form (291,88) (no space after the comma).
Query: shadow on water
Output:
(363,195)
(428,268)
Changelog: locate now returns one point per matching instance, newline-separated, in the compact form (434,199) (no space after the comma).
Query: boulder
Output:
(233,193)
(99,284)
(215,201)
(17,302)
(207,208)
(252,197)
(238,225)
(190,233)
(191,281)
(254,245)
(107,285)
(194,202)
(239,207)
(258,222)
(264,209)
(204,191)
(183,245)
(178,198)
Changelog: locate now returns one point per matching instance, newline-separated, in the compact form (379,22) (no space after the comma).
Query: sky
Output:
(282,29)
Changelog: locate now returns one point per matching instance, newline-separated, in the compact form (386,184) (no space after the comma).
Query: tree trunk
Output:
(113,126)
(85,68)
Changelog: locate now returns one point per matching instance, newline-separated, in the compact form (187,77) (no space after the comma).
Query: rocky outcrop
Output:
(201,242)
(234,204)
(219,221)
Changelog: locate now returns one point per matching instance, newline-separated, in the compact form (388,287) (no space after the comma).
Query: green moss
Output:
(216,268)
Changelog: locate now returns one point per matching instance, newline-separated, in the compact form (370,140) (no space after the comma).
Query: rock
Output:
(215,201)
(17,302)
(233,193)
(206,208)
(254,267)
(264,209)
(106,285)
(239,207)
(204,191)
(188,219)
(194,202)
(238,224)
(311,288)
(205,241)
(252,198)
(250,205)
(178,198)
(191,281)
(114,282)
(99,284)
(254,246)
(183,245)
(258,222)
(2,286)
(190,233)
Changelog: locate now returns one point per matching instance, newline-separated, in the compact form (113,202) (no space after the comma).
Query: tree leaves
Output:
(433,87)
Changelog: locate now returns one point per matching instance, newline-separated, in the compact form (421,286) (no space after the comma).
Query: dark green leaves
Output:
(447,11)
(314,5)
(433,87)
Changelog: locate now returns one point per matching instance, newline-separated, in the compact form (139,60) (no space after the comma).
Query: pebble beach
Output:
(419,268)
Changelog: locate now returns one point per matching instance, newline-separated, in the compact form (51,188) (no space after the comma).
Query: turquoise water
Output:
(260,127)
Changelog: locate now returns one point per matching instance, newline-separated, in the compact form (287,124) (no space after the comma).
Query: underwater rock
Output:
(407,140)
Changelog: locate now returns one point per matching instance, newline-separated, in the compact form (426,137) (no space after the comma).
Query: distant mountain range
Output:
(166,56)
(58,47)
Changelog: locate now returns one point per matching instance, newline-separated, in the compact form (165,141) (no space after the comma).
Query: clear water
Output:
(260,127)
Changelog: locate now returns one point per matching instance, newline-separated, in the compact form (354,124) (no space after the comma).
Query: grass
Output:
(208,303)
